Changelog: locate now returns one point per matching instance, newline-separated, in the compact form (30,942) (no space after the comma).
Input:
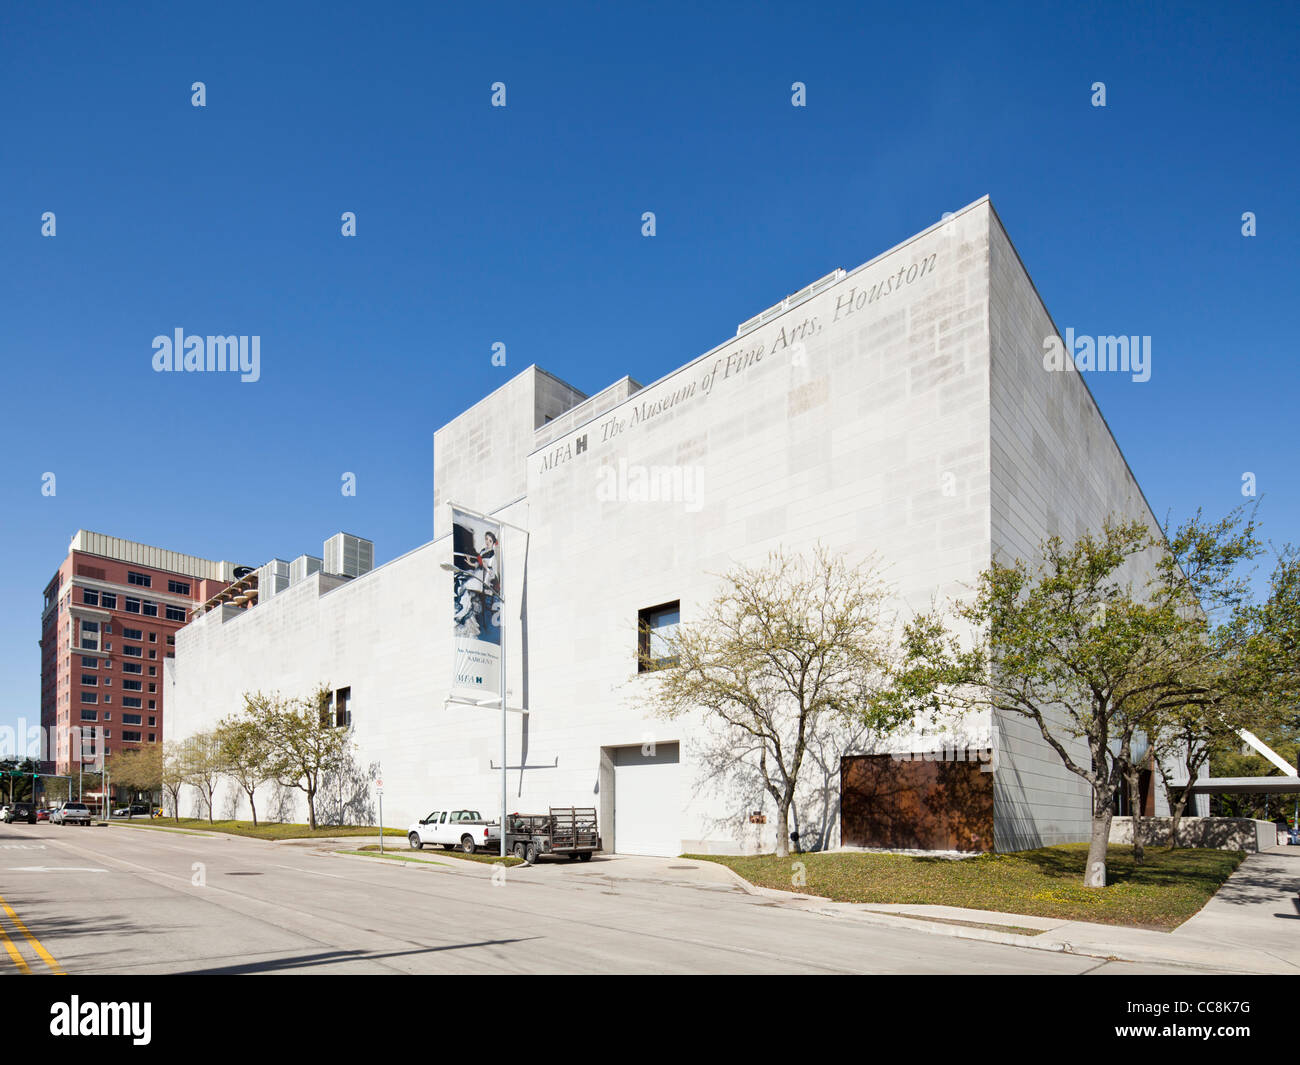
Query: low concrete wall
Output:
(1221,833)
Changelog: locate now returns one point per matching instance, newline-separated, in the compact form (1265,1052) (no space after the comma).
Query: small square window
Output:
(656,627)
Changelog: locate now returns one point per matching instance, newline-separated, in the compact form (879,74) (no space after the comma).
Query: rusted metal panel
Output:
(915,804)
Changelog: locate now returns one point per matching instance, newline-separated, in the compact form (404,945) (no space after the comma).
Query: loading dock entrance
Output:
(646,799)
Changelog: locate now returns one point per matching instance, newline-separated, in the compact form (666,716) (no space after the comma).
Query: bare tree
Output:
(246,751)
(783,653)
(202,766)
(173,774)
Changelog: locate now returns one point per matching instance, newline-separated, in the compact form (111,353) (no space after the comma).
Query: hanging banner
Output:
(477,609)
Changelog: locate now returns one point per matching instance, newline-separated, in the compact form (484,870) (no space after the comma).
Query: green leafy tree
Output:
(1270,701)
(18,782)
(303,744)
(140,769)
(1092,653)
(784,653)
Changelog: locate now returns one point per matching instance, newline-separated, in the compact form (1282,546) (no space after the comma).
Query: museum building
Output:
(901,409)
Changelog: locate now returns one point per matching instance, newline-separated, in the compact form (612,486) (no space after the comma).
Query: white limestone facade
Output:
(899,410)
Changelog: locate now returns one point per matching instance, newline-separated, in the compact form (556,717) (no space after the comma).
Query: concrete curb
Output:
(1045,941)
(377,855)
(482,869)
(216,833)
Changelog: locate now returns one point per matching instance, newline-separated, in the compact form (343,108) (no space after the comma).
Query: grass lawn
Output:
(1162,893)
(264,830)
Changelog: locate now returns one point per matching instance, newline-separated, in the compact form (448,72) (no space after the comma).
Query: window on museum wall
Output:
(656,626)
(343,708)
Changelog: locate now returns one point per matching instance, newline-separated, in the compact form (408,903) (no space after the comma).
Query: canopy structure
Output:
(1246,786)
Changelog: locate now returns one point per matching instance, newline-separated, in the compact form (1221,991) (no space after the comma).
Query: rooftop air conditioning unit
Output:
(272,579)
(303,567)
(349,556)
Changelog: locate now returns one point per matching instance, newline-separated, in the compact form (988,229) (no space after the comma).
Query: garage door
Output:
(648,801)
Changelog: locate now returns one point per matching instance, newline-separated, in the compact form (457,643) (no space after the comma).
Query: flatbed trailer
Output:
(567,830)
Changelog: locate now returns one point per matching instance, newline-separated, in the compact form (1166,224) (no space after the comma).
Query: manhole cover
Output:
(243,874)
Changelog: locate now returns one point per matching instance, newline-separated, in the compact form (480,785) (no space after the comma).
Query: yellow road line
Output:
(13,952)
(36,943)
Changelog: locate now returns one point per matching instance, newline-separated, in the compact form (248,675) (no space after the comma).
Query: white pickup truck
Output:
(465,829)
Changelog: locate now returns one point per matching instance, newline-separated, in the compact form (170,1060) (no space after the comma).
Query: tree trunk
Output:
(252,806)
(311,809)
(1135,802)
(783,830)
(1176,815)
(1094,873)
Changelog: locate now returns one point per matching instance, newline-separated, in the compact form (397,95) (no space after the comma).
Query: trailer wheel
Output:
(416,842)
(530,853)
(467,843)
(585,856)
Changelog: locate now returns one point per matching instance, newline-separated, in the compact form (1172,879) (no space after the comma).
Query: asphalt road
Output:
(123,900)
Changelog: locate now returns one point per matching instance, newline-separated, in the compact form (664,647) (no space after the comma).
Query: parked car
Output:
(42,815)
(4,810)
(23,812)
(136,809)
(465,829)
(71,813)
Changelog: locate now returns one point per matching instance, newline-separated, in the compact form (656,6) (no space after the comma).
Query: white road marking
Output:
(310,872)
(56,869)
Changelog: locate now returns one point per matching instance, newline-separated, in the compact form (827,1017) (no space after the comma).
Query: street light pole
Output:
(502,572)
(504,730)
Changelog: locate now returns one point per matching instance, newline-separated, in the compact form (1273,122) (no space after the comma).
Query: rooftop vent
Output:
(793,300)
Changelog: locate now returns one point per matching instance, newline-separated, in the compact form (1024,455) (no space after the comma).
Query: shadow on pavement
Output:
(334,956)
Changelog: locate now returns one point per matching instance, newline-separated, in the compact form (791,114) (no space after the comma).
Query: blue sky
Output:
(522,225)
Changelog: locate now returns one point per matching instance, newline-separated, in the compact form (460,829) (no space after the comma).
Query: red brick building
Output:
(109,621)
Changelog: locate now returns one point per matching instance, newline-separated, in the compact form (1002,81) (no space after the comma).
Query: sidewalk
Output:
(1246,928)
